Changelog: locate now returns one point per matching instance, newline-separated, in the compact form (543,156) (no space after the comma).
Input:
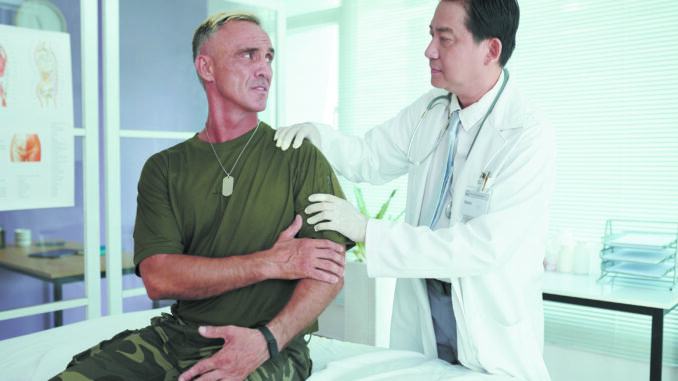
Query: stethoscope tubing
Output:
(430,106)
(448,97)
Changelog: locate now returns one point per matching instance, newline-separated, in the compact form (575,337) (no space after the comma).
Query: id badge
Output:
(475,203)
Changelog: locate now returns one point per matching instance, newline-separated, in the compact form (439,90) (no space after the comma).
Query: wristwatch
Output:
(270,341)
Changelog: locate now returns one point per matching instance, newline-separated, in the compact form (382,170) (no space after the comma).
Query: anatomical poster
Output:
(36,119)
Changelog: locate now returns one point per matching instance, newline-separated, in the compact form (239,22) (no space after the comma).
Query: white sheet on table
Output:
(393,365)
(41,355)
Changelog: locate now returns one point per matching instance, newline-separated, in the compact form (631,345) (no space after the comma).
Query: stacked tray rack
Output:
(640,251)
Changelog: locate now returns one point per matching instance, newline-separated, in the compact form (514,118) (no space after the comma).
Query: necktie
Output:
(452,128)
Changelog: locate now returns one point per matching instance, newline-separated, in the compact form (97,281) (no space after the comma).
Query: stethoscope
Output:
(439,101)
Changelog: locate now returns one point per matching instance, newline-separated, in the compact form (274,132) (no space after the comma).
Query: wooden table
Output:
(57,271)
(584,290)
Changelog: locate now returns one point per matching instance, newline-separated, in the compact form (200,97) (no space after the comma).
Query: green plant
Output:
(359,249)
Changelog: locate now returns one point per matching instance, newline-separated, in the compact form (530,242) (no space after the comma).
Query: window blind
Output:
(604,72)
(382,69)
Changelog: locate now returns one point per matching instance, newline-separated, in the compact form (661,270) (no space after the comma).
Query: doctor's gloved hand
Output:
(333,213)
(295,135)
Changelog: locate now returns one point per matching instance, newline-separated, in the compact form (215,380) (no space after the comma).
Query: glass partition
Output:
(44,251)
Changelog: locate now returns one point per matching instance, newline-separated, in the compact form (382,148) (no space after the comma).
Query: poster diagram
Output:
(46,62)
(36,120)
(3,84)
(25,147)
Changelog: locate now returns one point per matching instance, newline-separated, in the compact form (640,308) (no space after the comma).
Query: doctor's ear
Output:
(493,50)
(205,67)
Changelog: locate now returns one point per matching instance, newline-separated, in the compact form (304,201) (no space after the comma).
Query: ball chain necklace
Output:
(227,183)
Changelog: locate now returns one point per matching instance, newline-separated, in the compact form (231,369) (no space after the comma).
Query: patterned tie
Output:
(453,128)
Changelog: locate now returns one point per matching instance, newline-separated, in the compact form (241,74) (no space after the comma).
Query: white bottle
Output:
(581,254)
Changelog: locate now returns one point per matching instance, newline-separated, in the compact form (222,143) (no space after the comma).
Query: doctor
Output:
(480,164)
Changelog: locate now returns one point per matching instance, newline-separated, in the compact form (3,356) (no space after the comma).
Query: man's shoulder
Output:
(159,162)
(515,110)
(298,160)
(515,115)
(309,152)
(306,154)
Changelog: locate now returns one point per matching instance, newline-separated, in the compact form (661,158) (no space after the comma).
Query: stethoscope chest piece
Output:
(448,210)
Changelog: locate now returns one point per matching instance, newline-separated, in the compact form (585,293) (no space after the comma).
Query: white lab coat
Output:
(494,261)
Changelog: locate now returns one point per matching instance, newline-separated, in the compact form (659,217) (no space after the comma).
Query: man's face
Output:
(241,55)
(454,57)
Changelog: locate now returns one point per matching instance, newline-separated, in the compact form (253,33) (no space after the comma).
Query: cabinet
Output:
(640,251)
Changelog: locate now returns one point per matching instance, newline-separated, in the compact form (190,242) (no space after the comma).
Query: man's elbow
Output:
(155,287)
(154,293)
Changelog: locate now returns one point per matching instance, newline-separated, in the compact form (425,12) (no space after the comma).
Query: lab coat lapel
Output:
(417,174)
(416,183)
(491,145)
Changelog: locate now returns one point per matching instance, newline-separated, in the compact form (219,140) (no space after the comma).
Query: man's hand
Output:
(319,259)
(243,352)
(334,213)
(295,135)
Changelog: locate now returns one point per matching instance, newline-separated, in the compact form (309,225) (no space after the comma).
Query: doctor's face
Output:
(454,57)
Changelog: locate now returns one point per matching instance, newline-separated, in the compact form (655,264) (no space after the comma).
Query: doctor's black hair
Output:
(493,18)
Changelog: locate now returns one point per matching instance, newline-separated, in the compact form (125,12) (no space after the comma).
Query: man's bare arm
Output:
(187,277)
(309,300)
(245,349)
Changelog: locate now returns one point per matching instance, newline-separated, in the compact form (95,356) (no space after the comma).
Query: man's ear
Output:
(205,67)
(493,50)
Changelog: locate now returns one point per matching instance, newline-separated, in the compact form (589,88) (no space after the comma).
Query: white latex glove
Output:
(334,213)
(295,135)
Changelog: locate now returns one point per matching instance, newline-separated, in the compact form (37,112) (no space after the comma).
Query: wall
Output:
(159,91)
(159,86)
(65,223)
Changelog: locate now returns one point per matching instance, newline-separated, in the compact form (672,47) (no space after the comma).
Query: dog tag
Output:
(227,186)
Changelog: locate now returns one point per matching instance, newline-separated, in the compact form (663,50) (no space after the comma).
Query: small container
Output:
(22,237)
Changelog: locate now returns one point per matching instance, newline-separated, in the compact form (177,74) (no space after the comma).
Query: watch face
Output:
(40,14)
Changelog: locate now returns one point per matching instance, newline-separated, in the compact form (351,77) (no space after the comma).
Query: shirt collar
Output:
(473,114)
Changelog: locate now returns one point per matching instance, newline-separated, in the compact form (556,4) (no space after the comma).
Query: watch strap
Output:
(270,341)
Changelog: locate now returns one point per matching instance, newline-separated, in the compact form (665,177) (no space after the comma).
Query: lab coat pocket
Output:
(497,338)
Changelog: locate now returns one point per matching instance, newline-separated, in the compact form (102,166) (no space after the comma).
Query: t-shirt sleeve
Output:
(156,229)
(315,175)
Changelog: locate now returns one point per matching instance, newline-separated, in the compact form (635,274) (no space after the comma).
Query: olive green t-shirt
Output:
(181,210)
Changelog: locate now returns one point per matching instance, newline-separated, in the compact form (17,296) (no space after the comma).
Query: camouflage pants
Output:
(166,349)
